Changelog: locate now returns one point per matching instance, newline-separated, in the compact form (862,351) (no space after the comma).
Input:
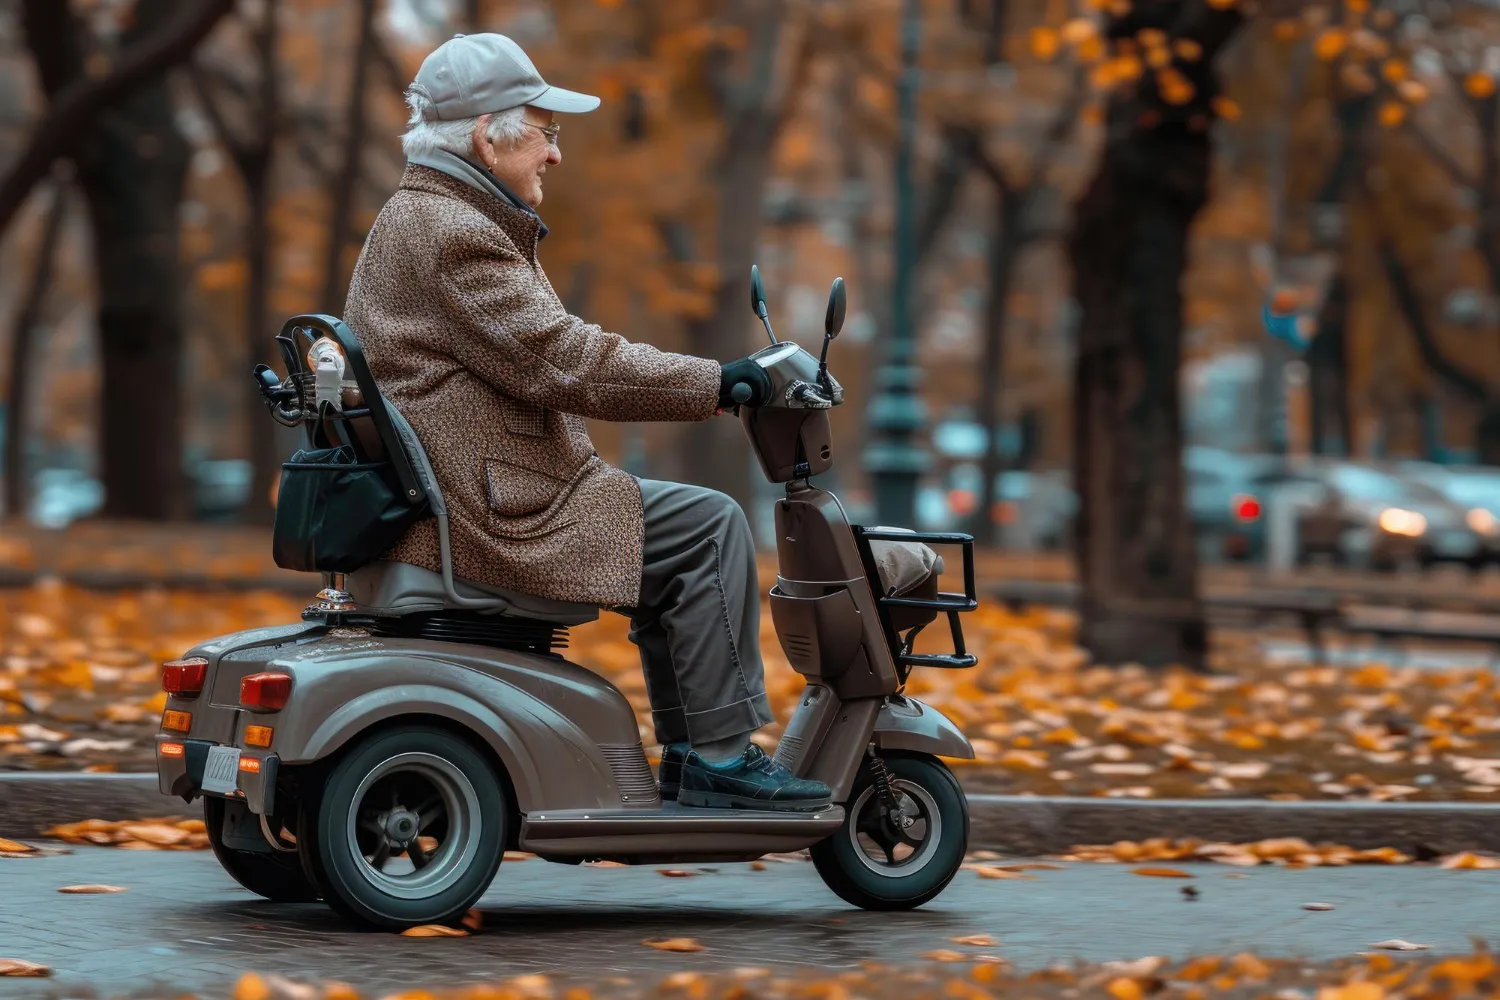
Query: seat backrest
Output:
(366,428)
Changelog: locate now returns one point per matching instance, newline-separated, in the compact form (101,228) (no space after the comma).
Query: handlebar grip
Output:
(265,377)
(741,392)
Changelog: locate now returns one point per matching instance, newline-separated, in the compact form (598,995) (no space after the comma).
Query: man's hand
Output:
(748,372)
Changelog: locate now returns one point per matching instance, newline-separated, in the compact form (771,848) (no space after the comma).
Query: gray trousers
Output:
(697,623)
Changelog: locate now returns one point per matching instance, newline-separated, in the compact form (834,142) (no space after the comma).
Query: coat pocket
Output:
(516,491)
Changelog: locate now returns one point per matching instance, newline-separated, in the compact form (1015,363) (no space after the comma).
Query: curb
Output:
(1027,825)
(1023,825)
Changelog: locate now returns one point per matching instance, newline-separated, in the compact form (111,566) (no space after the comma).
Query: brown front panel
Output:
(781,438)
(838,758)
(818,559)
(805,730)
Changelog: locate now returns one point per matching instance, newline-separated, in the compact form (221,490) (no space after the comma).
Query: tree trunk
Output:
(256,164)
(73,109)
(335,281)
(1137,559)
(22,378)
(1326,360)
(265,435)
(132,175)
(1005,250)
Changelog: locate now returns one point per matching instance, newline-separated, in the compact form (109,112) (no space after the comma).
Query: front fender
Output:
(908,724)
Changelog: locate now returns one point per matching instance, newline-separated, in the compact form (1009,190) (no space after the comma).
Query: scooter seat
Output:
(387,589)
(904,566)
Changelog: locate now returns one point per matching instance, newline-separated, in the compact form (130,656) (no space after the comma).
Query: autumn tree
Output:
(1137,560)
(130,166)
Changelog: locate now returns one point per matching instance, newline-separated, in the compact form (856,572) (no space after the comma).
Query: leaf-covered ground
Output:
(79,675)
(962,972)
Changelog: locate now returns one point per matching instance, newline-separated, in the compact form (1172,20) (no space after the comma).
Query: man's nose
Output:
(554,155)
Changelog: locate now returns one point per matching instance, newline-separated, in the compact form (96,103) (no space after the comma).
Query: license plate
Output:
(222,773)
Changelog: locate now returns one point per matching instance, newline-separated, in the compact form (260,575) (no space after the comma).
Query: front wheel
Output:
(410,829)
(881,861)
(278,877)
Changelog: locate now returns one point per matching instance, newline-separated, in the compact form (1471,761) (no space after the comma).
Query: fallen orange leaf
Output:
(1161,872)
(15,847)
(676,872)
(434,930)
(19,967)
(674,944)
(1003,873)
(91,889)
(978,940)
(1361,990)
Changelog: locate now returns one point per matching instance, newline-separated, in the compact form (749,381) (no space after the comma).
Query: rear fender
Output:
(371,709)
(908,724)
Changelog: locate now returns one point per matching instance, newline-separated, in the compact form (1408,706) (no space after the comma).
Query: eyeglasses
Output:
(550,131)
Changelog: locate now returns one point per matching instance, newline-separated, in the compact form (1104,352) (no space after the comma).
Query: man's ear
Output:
(483,148)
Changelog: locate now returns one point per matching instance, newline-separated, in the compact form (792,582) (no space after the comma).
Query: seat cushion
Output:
(903,566)
(395,588)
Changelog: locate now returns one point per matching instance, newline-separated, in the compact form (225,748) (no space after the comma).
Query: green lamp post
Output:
(893,459)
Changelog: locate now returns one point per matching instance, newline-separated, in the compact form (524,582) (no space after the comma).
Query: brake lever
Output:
(809,395)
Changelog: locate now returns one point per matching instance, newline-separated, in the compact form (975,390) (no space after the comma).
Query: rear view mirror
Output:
(757,292)
(833,321)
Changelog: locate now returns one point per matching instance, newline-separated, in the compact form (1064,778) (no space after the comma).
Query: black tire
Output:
(850,870)
(470,826)
(278,877)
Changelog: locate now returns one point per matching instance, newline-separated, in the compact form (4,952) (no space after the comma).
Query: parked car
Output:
(1225,500)
(1364,515)
(1036,508)
(1474,488)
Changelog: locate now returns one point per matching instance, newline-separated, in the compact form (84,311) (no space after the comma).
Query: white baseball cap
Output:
(472,75)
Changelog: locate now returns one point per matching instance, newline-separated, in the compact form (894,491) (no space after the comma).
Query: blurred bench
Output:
(1316,610)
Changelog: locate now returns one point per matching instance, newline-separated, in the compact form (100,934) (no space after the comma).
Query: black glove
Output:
(751,374)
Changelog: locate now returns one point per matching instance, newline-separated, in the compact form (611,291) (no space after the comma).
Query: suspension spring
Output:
(883,787)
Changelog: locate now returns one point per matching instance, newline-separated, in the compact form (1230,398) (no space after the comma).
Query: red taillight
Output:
(1246,507)
(266,692)
(184,678)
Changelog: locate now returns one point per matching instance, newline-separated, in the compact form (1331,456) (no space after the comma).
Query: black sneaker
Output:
(751,781)
(669,772)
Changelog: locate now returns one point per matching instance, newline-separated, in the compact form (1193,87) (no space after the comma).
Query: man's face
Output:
(520,167)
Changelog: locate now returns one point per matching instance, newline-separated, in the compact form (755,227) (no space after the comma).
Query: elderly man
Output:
(466,337)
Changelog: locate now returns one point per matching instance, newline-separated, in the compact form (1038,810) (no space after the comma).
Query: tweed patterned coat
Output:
(465,335)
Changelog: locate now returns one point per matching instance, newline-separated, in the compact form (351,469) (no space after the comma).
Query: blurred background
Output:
(1146,296)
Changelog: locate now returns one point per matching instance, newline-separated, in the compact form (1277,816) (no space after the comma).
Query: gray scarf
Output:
(462,168)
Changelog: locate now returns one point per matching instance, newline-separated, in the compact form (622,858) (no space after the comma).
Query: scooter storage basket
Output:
(335,514)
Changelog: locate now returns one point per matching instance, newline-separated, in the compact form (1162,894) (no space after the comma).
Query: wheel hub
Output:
(400,826)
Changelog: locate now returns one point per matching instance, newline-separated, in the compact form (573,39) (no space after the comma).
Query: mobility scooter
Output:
(385,752)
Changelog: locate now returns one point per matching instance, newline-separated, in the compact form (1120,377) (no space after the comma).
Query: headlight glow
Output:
(1396,521)
(1483,522)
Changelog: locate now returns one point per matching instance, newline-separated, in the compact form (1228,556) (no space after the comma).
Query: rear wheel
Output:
(410,829)
(881,861)
(277,876)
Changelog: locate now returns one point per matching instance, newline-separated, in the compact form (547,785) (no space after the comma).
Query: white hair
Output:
(424,137)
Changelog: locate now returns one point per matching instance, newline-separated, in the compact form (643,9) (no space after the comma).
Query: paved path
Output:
(185,926)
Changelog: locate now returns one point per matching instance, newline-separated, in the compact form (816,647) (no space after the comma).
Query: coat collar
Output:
(524,227)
